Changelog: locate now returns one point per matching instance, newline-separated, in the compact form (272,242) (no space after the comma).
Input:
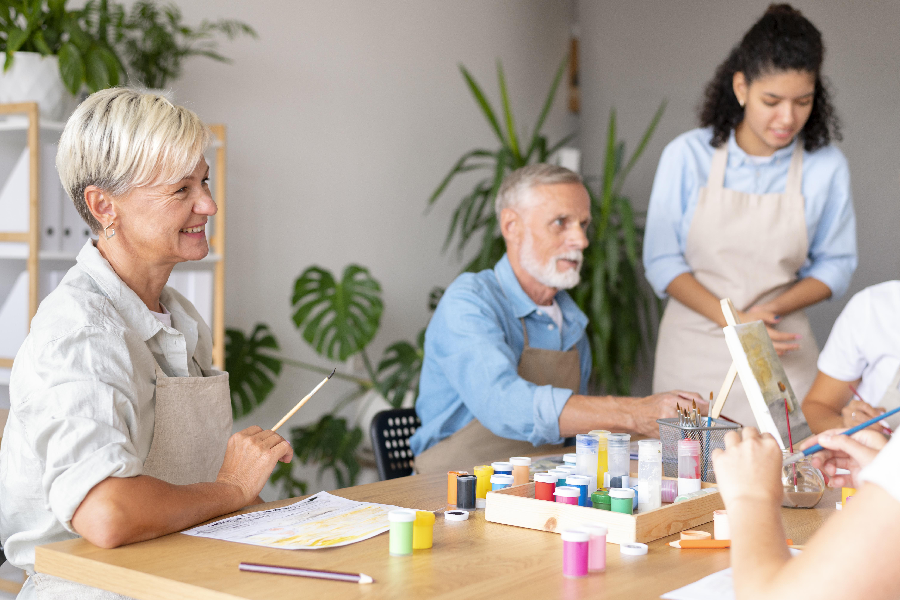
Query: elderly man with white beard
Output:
(507,360)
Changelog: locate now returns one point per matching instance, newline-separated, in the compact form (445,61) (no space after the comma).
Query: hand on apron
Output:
(250,458)
(783,341)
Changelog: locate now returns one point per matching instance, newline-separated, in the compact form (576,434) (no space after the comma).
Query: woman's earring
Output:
(106,231)
(741,102)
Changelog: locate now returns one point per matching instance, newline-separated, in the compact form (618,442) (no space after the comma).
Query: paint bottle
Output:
(575,552)
(423,530)
(483,473)
(600,499)
(502,468)
(465,491)
(649,475)
(581,482)
(571,459)
(721,527)
(586,447)
(596,547)
(669,490)
(401,536)
(521,469)
(500,481)
(567,495)
(544,486)
(451,485)
(561,475)
(688,466)
(621,500)
(619,460)
(602,455)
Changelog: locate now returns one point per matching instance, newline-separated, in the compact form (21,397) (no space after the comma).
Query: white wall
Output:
(342,119)
(638,52)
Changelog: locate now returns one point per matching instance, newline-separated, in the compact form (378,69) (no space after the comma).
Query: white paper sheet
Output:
(320,521)
(718,586)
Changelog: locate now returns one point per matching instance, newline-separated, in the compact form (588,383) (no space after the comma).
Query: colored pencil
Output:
(297,572)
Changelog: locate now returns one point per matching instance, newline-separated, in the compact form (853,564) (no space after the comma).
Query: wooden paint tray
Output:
(517,506)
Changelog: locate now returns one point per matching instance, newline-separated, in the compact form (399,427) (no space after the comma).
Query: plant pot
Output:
(36,78)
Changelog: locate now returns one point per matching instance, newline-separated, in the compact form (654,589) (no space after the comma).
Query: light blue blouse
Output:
(684,169)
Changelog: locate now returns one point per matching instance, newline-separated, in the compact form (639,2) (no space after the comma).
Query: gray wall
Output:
(342,119)
(636,53)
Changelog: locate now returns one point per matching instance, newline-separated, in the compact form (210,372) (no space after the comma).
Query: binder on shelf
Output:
(51,201)
(14,194)
(14,317)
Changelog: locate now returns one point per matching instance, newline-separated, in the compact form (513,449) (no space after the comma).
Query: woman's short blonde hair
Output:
(120,139)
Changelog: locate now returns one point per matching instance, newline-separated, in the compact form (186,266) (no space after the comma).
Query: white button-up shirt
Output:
(83,396)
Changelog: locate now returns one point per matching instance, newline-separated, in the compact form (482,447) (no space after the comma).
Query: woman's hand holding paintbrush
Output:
(850,452)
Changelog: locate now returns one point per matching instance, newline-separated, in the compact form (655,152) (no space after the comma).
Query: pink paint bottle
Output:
(688,466)
(567,495)
(596,547)
(544,486)
(575,552)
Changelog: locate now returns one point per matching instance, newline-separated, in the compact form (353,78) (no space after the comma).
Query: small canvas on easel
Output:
(765,382)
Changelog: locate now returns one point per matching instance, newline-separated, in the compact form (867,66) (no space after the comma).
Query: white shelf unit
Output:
(41,232)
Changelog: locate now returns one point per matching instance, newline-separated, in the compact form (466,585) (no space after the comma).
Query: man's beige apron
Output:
(193,424)
(747,247)
(891,400)
(474,444)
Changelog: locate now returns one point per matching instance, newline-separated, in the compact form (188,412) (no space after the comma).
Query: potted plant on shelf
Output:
(620,308)
(154,42)
(51,52)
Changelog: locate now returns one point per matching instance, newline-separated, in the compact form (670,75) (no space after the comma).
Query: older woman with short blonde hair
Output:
(119,428)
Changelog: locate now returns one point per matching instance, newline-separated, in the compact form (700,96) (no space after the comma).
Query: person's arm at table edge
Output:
(124,510)
(822,405)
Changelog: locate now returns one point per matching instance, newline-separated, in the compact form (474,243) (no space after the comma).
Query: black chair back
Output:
(390,431)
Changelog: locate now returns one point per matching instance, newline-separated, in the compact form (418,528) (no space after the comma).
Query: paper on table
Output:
(320,521)
(718,586)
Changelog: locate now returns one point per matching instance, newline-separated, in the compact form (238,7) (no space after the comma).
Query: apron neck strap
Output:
(795,171)
(524,332)
(716,179)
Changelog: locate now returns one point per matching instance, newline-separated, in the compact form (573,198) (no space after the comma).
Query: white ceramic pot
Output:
(36,78)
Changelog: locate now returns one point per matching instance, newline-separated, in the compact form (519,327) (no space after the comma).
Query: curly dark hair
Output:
(782,40)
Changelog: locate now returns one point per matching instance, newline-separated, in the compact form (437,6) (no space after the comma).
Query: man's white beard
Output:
(546,274)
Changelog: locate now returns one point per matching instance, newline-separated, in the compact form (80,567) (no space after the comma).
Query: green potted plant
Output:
(620,308)
(51,52)
(154,42)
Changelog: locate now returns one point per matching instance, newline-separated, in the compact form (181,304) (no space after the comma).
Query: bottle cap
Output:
(502,478)
(575,535)
(567,492)
(633,549)
(688,448)
(456,515)
(595,529)
(578,480)
(621,493)
(502,466)
(618,439)
(650,450)
(585,442)
(402,515)
(546,477)
(570,458)
(424,517)
(520,461)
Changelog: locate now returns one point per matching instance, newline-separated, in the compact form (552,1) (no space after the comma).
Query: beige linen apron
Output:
(193,424)
(475,444)
(891,400)
(747,247)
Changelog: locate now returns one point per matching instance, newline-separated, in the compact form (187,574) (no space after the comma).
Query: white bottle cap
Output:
(520,461)
(575,535)
(595,529)
(567,492)
(502,478)
(578,480)
(456,515)
(501,466)
(633,549)
(621,493)
(402,515)
(570,459)
(546,477)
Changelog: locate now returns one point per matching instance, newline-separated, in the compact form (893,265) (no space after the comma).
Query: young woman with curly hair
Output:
(754,206)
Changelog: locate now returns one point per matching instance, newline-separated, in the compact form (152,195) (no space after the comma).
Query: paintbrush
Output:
(798,456)
(883,424)
(302,402)
(787,416)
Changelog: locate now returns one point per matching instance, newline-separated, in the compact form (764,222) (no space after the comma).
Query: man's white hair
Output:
(120,139)
(512,191)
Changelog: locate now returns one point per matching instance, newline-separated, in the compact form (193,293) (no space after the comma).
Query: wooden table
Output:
(471,559)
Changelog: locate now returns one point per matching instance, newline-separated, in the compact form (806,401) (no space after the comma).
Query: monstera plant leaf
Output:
(338,319)
(251,371)
(398,371)
(331,443)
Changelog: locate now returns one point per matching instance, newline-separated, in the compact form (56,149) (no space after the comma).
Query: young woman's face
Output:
(776,107)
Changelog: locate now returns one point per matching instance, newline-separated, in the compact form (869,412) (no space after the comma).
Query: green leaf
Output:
(332,445)
(645,139)
(283,477)
(548,103)
(15,38)
(399,368)
(483,103)
(508,116)
(252,369)
(71,67)
(338,319)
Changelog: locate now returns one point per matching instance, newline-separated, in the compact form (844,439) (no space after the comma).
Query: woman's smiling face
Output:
(166,223)
(776,108)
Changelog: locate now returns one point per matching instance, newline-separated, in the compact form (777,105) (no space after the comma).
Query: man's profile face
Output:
(555,219)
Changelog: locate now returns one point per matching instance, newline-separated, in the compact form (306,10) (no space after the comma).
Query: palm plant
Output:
(618,305)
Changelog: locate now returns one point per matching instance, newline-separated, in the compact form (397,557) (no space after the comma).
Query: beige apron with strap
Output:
(891,400)
(193,424)
(475,444)
(747,247)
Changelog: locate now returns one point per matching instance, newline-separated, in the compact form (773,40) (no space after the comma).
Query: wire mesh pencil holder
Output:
(710,438)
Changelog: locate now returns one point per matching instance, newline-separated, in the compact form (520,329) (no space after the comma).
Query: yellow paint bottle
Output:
(483,485)
(423,530)
(602,455)
(846,493)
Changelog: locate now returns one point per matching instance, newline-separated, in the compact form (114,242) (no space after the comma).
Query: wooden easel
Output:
(731,318)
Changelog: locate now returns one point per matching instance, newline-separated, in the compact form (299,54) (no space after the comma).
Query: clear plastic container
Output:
(602,455)
(803,484)
(586,447)
(649,475)
(619,459)
(688,466)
